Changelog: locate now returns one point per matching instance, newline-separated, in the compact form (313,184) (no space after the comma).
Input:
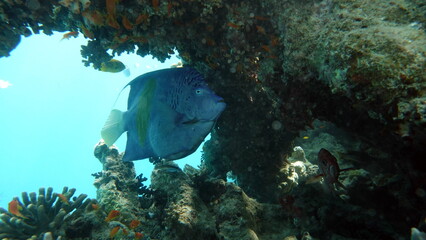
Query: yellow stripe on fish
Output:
(144,109)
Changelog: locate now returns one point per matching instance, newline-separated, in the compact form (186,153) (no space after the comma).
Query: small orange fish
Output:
(260,18)
(233,25)
(274,40)
(15,208)
(141,18)
(111,6)
(63,198)
(121,39)
(126,23)
(114,232)
(138,235)
(111,18)
(69,35)
(133,224)
(112,22)
(93,18)
(87,33)
(266,48)
(260,29)
(112,215)
(95,206)
(155,4)
(169,9)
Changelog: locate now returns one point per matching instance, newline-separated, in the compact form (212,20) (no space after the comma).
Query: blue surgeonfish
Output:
(169,113)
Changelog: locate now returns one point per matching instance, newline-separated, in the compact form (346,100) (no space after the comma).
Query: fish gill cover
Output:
(348,76)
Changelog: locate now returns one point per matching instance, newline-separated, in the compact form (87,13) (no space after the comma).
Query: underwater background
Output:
(323,135)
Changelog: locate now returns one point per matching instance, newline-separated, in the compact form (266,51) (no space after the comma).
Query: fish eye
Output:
(198,91)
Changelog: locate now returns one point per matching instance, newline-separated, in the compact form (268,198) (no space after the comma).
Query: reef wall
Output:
(358,66)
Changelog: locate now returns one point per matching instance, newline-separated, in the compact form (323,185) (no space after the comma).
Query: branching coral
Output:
(42,215)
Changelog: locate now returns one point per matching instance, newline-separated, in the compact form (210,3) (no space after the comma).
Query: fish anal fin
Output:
(135,150)
(113,128)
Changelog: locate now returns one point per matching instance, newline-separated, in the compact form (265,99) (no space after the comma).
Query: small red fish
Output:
(114,232)
(69,35)
(329,168)
(138,235)
(133,224)
(112,215)
(15,208)
(63,198)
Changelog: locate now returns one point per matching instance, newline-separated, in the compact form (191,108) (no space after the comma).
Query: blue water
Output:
(52,114)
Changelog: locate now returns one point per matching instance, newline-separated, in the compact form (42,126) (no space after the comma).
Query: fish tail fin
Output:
(113,128)
(126,72)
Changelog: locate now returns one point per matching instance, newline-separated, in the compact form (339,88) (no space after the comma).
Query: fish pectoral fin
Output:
(314,179)
(113,128)
(192,121)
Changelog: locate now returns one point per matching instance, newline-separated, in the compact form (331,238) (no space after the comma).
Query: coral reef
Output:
(46,215)
(359,66)
(185,215)
(118,191)
(116,184)
(188,204)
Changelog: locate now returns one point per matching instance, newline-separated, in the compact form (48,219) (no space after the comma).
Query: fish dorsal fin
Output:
(143,110)
(119,94)
(134,88)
